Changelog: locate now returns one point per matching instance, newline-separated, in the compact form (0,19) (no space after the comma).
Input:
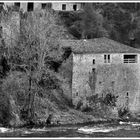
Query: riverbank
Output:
(80,124)
(93,121)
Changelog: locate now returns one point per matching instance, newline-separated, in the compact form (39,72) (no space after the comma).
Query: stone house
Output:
(10,25)
(59,6)
(28,6)
(101,66)
(66,6)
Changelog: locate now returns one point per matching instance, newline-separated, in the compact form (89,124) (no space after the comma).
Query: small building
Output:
(66,6)
(59,6)
(10,28)
(32,6)
(101,66)
(28,6)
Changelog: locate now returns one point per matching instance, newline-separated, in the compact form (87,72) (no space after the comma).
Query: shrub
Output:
(110,99)
(5,112)
(15,85)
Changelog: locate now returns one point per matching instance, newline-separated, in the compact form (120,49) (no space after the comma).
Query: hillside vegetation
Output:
(33,88)
(36,71)
(117,21)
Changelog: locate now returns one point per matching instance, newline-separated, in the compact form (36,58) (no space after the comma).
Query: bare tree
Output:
(39,37)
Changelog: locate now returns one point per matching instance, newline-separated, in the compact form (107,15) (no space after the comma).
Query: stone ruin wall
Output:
(101,78)
(10,24)
(69,6)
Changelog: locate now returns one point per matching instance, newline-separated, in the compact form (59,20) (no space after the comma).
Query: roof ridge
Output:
(98,45)
(121,43)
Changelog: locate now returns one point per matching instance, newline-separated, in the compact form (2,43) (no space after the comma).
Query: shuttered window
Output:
(63,6)
(107,58)
(130,59)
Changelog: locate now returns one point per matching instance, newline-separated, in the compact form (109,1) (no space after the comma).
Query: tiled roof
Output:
(98,45)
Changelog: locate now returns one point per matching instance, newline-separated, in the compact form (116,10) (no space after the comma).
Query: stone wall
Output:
(55,6)
(24,6)
(9,3)
(11,28)
(66,72)
(118,78)
(69,6)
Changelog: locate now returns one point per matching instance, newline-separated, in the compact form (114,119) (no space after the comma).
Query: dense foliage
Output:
(33,84)
(118,21)
(34,61)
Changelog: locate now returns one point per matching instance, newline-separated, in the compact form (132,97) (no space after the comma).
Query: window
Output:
(82,5)
(63,6)
(107,58)
(30,6)
(112,84)
(0,31)
(17,4)
(75,7)
(48,5)
(130,58)
(43,6)
(93,61)
(93,70)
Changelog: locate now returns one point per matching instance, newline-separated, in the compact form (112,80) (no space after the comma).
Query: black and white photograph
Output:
(70,69)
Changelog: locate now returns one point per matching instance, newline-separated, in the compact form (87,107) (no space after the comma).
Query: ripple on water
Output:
(4,130)
(107,129)
(90,130)
(39,130)
(130,123)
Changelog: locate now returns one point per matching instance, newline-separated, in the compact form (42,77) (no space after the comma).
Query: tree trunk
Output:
(31,101)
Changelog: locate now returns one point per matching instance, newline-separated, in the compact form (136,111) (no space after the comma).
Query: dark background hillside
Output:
(117,21)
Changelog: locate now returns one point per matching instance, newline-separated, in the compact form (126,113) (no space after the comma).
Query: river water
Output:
(122,129)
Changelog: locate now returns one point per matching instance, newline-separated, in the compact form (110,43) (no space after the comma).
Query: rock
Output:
(49,119)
